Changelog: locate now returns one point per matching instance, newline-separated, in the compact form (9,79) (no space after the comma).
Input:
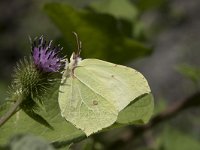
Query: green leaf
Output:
(22,123)
(125,12)
(28,142)
(99,33)
(94,92)
(145,5)
(118,8)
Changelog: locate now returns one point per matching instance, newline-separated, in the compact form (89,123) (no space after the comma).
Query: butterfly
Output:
(93,91)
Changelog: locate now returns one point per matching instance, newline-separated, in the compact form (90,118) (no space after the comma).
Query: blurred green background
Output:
(160,38)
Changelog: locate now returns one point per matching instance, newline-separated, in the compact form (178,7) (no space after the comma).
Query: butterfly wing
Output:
(92,97)
(116,83)
(85,108)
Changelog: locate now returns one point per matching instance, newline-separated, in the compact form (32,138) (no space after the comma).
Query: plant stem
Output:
(11,112)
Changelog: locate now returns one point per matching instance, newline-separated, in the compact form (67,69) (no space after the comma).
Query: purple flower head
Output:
(45,57)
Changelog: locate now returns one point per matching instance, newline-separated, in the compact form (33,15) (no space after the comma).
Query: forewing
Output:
(85,108)
(117,84)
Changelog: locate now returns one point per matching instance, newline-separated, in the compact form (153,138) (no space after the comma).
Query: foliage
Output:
(126,13)
(24,142)
(99,33)
(119,9)
(144,5)
(64,131)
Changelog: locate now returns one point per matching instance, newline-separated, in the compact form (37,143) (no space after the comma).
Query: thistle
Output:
(34,77)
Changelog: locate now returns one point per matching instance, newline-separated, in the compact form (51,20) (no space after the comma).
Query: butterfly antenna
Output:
(80,48)
(79,44)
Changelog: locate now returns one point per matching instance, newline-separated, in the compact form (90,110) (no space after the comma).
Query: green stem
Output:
(10,113)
